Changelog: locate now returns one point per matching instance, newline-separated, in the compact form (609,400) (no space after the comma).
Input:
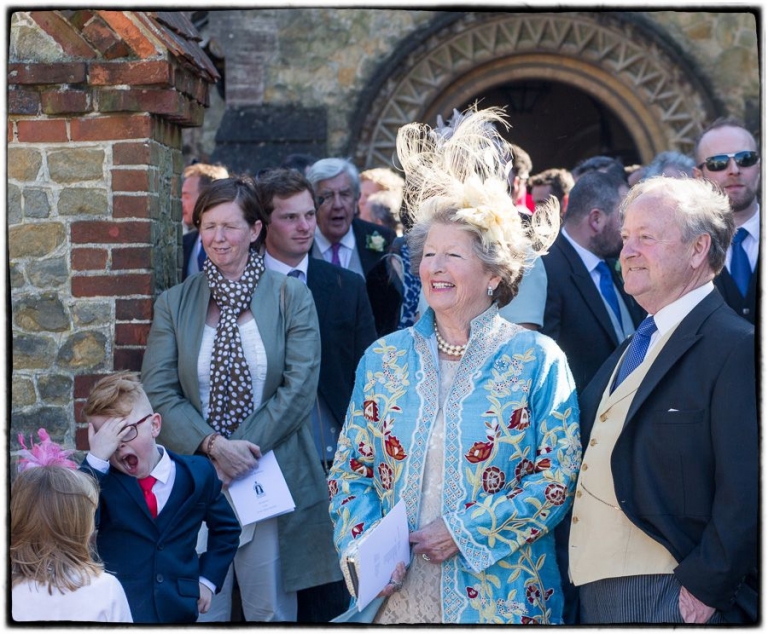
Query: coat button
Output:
(575,520)
(159,578)
(585,466)
(603,418)
(578,494)
(593,442)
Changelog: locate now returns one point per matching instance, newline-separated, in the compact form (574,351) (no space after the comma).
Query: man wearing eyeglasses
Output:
(726,153)
(350,242)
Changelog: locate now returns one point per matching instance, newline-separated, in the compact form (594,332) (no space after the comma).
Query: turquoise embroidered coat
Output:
(512,454)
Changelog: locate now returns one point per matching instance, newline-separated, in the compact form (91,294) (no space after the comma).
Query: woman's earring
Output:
(490,290)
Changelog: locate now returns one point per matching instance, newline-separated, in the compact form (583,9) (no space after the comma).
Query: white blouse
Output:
(255,356)
(101,600)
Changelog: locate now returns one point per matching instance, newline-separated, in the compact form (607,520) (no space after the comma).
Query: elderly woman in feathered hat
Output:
(471,420)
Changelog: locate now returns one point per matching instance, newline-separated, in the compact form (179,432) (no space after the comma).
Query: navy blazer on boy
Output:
(155,559)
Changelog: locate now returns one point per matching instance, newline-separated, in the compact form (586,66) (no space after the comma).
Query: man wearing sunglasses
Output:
(726,153)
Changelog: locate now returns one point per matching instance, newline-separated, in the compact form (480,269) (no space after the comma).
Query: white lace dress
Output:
(419,601)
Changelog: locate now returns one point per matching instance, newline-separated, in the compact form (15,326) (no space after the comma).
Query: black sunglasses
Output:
(132,431)
(719,162)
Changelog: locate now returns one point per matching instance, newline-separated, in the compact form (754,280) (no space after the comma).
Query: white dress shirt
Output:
(274,264)
(348,246)
(672,314)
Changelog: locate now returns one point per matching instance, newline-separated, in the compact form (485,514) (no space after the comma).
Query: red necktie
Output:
(146,485)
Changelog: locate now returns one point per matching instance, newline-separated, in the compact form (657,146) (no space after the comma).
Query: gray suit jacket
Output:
(287,321)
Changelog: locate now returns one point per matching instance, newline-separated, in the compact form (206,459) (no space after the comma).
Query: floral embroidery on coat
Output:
(512,454)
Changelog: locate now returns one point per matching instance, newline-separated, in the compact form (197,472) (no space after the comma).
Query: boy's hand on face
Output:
(204,602)
(104,442)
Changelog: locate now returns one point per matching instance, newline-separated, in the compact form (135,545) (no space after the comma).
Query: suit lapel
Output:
(318,282)
(132,488)
(583,283)
(366,259)
(685,336)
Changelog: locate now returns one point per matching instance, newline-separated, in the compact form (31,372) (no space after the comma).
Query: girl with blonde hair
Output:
(54,572)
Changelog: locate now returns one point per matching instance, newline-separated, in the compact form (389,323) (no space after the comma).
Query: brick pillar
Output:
(94,212)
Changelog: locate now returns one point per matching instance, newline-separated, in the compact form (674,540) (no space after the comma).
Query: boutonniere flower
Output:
(375,242)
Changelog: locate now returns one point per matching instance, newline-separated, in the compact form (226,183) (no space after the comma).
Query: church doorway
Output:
(575,84)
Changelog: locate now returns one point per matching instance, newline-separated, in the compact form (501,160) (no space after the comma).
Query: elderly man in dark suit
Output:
(352,243)
(346,330)
(587,311)
(665,521)
(726,154)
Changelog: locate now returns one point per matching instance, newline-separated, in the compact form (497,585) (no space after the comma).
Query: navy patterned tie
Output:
(295,273)
(740,269)
(606,288)
(637,349)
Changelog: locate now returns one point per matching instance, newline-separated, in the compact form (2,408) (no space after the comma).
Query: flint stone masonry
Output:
(96,104)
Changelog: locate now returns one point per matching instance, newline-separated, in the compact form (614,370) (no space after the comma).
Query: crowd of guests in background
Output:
(555,370)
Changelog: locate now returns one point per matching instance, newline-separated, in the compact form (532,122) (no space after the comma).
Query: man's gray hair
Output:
(676,160)
(700,207)
(331,167)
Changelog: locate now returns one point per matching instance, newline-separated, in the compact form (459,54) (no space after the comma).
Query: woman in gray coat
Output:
(232,364)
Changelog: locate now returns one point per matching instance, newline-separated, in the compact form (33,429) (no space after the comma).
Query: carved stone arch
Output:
(649,86)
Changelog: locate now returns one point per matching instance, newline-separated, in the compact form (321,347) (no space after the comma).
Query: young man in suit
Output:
(196,177)
(346,330)
(587,311)
(665,519)
(352,243)
(152,504)
(726,154)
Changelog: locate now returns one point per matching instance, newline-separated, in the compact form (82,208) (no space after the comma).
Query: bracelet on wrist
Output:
(211,441)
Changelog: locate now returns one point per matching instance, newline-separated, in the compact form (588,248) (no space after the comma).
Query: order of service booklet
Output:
(377,555)
(261,494)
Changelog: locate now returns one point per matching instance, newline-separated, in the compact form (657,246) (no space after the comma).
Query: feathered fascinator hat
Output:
(45,454)
(462,166)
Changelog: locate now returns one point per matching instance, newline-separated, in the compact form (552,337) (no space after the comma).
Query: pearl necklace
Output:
(447,348)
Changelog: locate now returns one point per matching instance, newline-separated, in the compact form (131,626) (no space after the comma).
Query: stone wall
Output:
(325,58)
(95,111)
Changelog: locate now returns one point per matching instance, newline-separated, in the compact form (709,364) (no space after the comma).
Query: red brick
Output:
(66,101)
(142,73)
(81,433)
(105,232)
(84,384)
(131,334)
(77,18)
(111,128)
(111,285)
(9,135)
(89,259)
(132,206)
(162,102)
(23,101)
(129,32)
(63,33)
(53,73)
(132,258)
(128,358)
(128,180)
(42,131)
(133,309)
(139,153)
(98,34)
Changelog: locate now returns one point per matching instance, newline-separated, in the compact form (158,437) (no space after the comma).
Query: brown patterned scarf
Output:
(231,397)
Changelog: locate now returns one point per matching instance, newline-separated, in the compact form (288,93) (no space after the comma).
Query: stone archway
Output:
(617,61)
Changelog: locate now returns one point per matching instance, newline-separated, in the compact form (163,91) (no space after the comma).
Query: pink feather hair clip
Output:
(45,454)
